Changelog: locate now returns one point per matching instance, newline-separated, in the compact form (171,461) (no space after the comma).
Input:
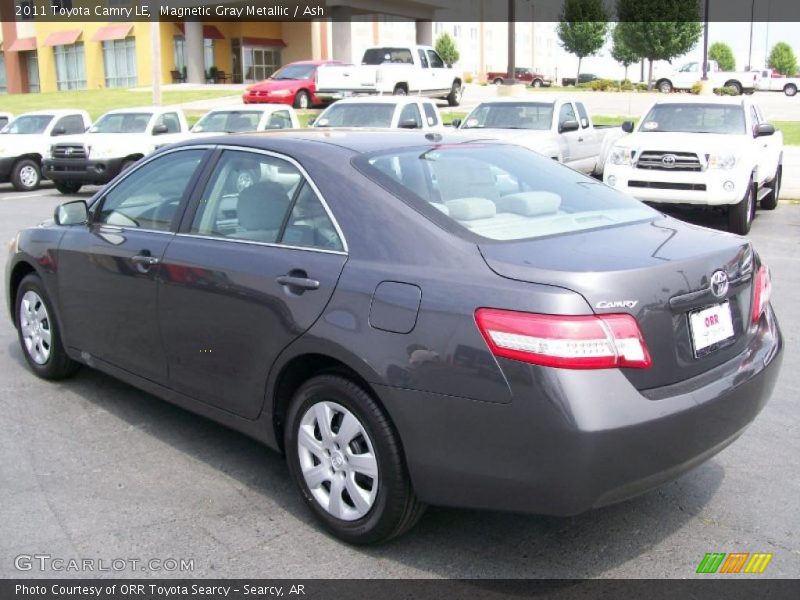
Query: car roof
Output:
(315,62)
(269,107)
(55,112)
(723,100)
(134,109)
(529,99)
(382,100)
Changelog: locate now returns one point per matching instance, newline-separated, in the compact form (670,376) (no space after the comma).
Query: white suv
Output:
(718,152)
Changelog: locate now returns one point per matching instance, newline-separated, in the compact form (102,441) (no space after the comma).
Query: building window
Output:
(260,62)
(437,28)
(178,51)
(3,84)
(70,67)
(473,34)
(119,57)
(456,31)
(208,54)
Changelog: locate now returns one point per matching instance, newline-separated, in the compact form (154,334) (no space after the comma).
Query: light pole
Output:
(512,43)
(705,43)
(750,52)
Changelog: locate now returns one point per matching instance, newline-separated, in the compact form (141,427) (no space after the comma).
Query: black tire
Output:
(395,508)
(127,165)
(665,86)
(26,175)
(58,364)
(68,187)
(740,216)
(454,97)
(771,202)
(790,89)
(400,90)
(498,81)
(735,85)
(537,83)
(302,100)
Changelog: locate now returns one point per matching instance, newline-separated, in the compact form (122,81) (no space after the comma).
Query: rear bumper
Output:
(85,171)
(267,99)
(574,440)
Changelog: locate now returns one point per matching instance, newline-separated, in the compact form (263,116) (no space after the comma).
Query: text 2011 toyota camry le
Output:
(411,319)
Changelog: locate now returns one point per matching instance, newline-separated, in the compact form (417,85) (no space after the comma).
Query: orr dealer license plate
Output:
(710,326)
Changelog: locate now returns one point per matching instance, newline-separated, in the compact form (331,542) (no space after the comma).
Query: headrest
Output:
(470,209)
(529,204)
(262,206)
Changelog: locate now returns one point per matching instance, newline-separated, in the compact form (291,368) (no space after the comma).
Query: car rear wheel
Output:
(735,85)
(454,98)
(39,333)
(770,202)
(740,216)
(26,175)
(790,90)
(66,187)
(400,90)
(346,460)
(537,83)
(498,81)
(665,87)
(302,100)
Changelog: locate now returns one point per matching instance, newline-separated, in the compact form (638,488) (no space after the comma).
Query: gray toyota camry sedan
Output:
(410,318)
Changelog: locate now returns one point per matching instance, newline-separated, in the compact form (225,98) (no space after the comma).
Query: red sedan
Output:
(292,84)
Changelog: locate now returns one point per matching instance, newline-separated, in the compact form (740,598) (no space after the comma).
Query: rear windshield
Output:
(500,192)
(695,118)
(378,56)
(357,115)
(229,121)
(122,123)
(511,115)
(29,124)
(294,72)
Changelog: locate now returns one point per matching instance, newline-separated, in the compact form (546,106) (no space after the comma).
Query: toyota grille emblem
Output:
(719,283)
(68,150)
(668,160)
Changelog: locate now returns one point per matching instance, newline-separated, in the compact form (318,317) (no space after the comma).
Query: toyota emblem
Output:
(719,283)
(668,160)
(68,150)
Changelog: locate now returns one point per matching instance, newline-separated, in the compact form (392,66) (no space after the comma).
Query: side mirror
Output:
(627,126)
(72,213)
(160,129)
(456,123)
(763,129)
(408,124)
(58,131)
(568,126)
(449,66)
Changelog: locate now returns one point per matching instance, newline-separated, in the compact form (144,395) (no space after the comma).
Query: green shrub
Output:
(626,85)
(697,88)
(642,87)
(604,85)
(726,91)
(468,78)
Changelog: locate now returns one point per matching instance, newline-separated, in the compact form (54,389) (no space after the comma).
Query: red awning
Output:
(62,38)
(210,32)
(22,44)
(271,42)
(112,32)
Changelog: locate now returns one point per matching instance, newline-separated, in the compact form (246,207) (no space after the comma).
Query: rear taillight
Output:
(762,288)
(567,342)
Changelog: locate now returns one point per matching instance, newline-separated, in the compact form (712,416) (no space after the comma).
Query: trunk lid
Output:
(658,271)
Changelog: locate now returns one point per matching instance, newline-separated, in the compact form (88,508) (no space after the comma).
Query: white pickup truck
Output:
(115,142)
(390,112)
(245,118)
(690,73)
(399,71)
(707,151)
(26,140)
(772,81)
(558,127)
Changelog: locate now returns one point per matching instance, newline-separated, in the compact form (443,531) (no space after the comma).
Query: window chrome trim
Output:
(199,236)
(345,248)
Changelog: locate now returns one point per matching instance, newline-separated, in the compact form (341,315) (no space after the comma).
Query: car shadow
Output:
(449,543)
(711,218)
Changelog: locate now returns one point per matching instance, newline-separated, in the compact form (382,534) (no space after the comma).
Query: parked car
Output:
(772,81)
(409,112)
(293,84)
(113,144)
(715,152)
(5,119)
(26,140)
(582,78)
(244,118)
(690,73)
(400,71)
(521,75)
(411,319)
(559,127)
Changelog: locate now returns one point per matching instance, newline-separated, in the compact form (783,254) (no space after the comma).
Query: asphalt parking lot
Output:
(92,468)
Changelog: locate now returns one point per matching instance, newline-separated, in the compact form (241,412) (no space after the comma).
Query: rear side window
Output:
(583,114)
(500,192)
(423,60)
(262,198)
(430,114)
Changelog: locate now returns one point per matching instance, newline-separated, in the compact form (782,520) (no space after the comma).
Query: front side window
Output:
(172,122)
(261,198)
(133,122)
(70,67)
(695,118)
(499,191)
(689,68)
(149,197)
(294,72)
(511,115)
(410,114)
(228,121)
(435,60)
(567,113)
(363,114)
(280,119)
(32,124)
(119,61)
(69,125)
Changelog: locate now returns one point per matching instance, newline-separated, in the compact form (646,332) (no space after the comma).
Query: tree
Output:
(583,28)
(447,49)
(782,59)
(658,30)
(723,54)
(622,53)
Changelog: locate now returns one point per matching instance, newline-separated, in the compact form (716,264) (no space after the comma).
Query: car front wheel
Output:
(67,187)
(770,202)
(740,216)
(26,175)
(346,460)
(302,100)
(39,332)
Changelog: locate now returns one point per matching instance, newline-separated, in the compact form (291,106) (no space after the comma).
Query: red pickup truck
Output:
(522,75)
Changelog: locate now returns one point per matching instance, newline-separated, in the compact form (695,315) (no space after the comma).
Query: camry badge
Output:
(616,304)
(719,283)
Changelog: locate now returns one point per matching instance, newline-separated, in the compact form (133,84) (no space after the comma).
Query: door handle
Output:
(297,281)
(145,260)
(580,139)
